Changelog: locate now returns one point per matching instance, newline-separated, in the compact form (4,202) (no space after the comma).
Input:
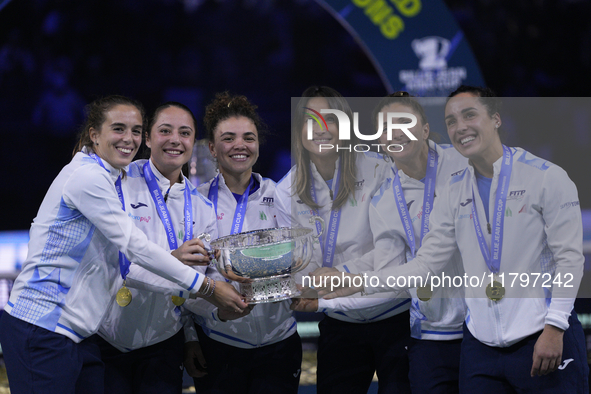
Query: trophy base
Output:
(271,289)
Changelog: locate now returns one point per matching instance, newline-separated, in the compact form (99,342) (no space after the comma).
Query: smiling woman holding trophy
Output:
(81,244)
(260,351)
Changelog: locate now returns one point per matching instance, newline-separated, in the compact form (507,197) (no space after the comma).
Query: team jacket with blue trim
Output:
(152,317)
(442,317)
(71,273)
(542,236)
(354,246)
(267,323)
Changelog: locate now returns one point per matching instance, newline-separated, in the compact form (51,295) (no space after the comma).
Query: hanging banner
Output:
(415,45)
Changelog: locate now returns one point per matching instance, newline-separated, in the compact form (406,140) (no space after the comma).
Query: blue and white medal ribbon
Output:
(123,296)
(212,194)
(428,197)
(240,212)
(493,257)
(123,261)
(330,242)
(163,212)
(495,290)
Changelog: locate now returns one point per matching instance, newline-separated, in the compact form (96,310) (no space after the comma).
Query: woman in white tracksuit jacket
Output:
(541,237)
(419,174)
(143,343)
(260,352)
(71,273)
(358,336)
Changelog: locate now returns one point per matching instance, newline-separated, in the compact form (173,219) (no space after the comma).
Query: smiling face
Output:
(119,137)
(320,135)
(235,145)
(171,140)
(411,149)
(471,129)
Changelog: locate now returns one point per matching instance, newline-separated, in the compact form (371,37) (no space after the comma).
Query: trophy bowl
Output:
(269,258)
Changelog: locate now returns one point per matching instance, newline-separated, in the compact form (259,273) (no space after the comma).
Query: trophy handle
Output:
(314,219)
(210,252)
(204,236)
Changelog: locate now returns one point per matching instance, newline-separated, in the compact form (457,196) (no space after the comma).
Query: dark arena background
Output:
(58,55)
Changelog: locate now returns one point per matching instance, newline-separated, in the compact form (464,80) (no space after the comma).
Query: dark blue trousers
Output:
(434,366)
(43,362)
(155,369)
(274,368)
(350,353)
(486,369)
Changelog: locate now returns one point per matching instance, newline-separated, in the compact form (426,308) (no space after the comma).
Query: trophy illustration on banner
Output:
(268,258)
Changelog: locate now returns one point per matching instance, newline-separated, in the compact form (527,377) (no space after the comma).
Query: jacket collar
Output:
(164,184)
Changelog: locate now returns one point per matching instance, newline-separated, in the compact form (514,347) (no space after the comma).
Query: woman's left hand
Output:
(334,283)
(230,275)
(225,296)
(192,252)
(304,304)
(547,351)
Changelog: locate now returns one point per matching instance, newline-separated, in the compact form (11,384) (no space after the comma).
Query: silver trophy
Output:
(268,258)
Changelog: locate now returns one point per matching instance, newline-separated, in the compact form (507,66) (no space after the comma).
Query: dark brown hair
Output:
(486,97)
(96,115)
(225,106)
(148,130)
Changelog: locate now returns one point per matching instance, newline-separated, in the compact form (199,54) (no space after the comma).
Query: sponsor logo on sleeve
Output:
(569,204)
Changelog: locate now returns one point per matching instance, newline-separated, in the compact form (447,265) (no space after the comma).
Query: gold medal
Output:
(424,293)
(123,296)
(495,291)
(178,301)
